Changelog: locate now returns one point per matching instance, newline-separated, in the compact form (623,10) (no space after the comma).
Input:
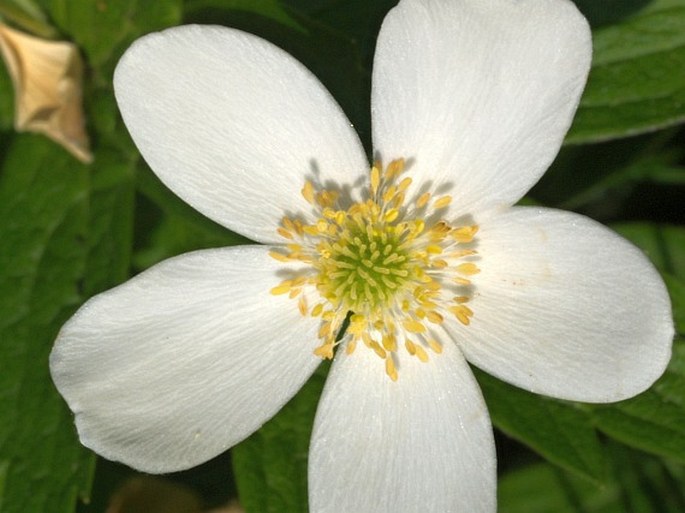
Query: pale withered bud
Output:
(47,77)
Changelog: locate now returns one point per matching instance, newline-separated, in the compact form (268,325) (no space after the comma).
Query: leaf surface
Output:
(637,81)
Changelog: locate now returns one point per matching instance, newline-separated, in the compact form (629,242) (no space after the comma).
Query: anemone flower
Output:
(401,269)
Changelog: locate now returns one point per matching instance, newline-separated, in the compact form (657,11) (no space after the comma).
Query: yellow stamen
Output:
(389,194)
(394,168)
(302,305)
(308,192)
(463,314)
(375,180)
(468,268)
(279,256)
(283,288)
(435,346)
(390,369)
(442,202)
(435,317)
(390,342)
(423,200)
(378,349)
(324,351)
(420,353)
(285,233)
(379,268)
(464,234)
(325,330)
(391,215)
(413,326)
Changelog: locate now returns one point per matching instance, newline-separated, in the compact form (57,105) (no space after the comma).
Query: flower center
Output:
(378,262)
(367,264)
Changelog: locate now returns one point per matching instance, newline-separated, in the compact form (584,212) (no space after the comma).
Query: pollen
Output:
(382,273)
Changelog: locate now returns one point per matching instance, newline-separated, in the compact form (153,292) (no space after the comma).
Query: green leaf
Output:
(73,231)
(104,29)
(110,222)
(599,179)
(644,484)
(4,466)
(637,82)
(271,466)
(271,9)
(541,488)
(358,20)
(43,205)
(6,100)
(676,289)
(636,483)
(340,51)
(27,17)
(556,430)
(66,234)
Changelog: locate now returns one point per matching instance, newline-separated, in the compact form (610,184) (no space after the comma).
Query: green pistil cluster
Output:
(365,268)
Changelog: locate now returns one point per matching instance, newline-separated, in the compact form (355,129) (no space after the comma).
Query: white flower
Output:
(471,100)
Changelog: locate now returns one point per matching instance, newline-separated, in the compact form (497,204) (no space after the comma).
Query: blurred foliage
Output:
(69,231)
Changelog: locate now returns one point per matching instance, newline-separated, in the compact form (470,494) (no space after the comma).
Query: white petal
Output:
(184,360)
(233,124)
(478,93)
(565,307)
(423,443)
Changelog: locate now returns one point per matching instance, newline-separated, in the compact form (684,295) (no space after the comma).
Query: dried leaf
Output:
(47,77)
